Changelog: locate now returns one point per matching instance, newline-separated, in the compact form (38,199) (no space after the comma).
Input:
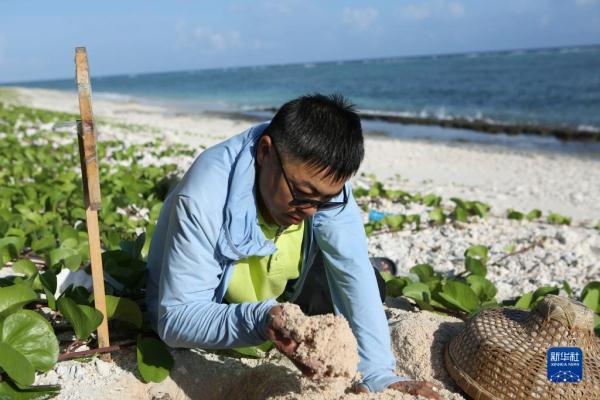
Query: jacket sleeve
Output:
(341,237)
(188,315)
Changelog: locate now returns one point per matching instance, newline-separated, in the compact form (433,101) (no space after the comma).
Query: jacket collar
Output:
(240,236)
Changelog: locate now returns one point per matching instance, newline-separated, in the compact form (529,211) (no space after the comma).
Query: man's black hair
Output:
(323,131)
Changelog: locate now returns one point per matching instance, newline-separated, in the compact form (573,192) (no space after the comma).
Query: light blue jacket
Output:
(209,221)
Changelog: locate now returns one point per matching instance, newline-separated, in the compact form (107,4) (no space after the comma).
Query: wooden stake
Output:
(86,134)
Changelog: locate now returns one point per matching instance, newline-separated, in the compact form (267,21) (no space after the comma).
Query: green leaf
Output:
(558,219)
(79,294)
(134,248)
(376,190)
(590,296)
(386,275)
(459,202)
(437,216)
(357,192)
(513,214)
(16,365)
(51,299)
(45,243)
(431,200)
(417,291)
(123,309)
(69,243)
(597,227)
(25,267)
(78,213)
(460,296)
(254,351)
(475,266)
(84,319)
(534,214)
(8,391)
(461,214)
(13,245)
(69,256)
(425,272)
(155,210)
(567,288)
(31,335)
(394,221)
(394,287)
(525,301)
(477,251)
(414,219)
(483,288)
(14,297)
(48,280)
(480,209)
(154,360)
(538,294)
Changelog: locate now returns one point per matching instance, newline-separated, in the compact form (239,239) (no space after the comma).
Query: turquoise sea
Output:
(544,87)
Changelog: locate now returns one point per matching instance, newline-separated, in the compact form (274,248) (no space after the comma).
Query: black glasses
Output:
(309,203)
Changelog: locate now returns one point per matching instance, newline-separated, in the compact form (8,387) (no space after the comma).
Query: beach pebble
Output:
(103,368)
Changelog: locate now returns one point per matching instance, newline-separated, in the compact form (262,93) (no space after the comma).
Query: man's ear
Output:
(263,148)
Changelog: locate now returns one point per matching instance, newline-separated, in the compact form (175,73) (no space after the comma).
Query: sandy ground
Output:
(503,177)
(419,339)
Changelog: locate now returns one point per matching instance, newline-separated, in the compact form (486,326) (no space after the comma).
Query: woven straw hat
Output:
(501,352)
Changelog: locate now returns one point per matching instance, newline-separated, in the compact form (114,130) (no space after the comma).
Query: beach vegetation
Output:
(464,294)
(554,218)
(42,232)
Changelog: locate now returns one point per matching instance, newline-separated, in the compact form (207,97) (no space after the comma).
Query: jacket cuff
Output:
(380,383)
(263,321)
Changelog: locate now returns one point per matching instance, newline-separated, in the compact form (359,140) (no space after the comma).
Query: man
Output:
(269,214)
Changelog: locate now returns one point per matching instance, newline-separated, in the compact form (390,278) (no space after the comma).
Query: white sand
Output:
(325,342)
(419,339)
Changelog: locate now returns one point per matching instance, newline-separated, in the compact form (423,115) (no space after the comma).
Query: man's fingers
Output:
(422,388)
(286,346)
(429,393)
(360,388)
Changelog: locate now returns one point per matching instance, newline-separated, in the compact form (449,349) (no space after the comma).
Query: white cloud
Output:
(359,18)
(206,40)
(456,9)
(284,7)
(425,9)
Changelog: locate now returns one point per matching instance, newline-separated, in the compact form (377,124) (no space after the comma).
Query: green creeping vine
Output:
(463,210)
(468,292)
(42,232)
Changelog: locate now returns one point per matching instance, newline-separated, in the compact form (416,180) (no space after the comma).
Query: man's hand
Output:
(422,388)
(283,341)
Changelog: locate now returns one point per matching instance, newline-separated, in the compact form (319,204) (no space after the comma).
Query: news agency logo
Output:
(565,364)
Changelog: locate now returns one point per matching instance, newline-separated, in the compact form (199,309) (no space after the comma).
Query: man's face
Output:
(274,192)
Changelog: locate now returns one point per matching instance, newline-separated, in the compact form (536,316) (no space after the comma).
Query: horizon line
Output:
(526,49)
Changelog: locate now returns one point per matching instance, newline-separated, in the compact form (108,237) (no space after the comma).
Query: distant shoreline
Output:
(563,133)
(578,136)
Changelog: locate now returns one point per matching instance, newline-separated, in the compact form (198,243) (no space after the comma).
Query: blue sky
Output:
(37,38)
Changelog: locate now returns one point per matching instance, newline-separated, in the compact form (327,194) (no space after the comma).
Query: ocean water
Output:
(546,87)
